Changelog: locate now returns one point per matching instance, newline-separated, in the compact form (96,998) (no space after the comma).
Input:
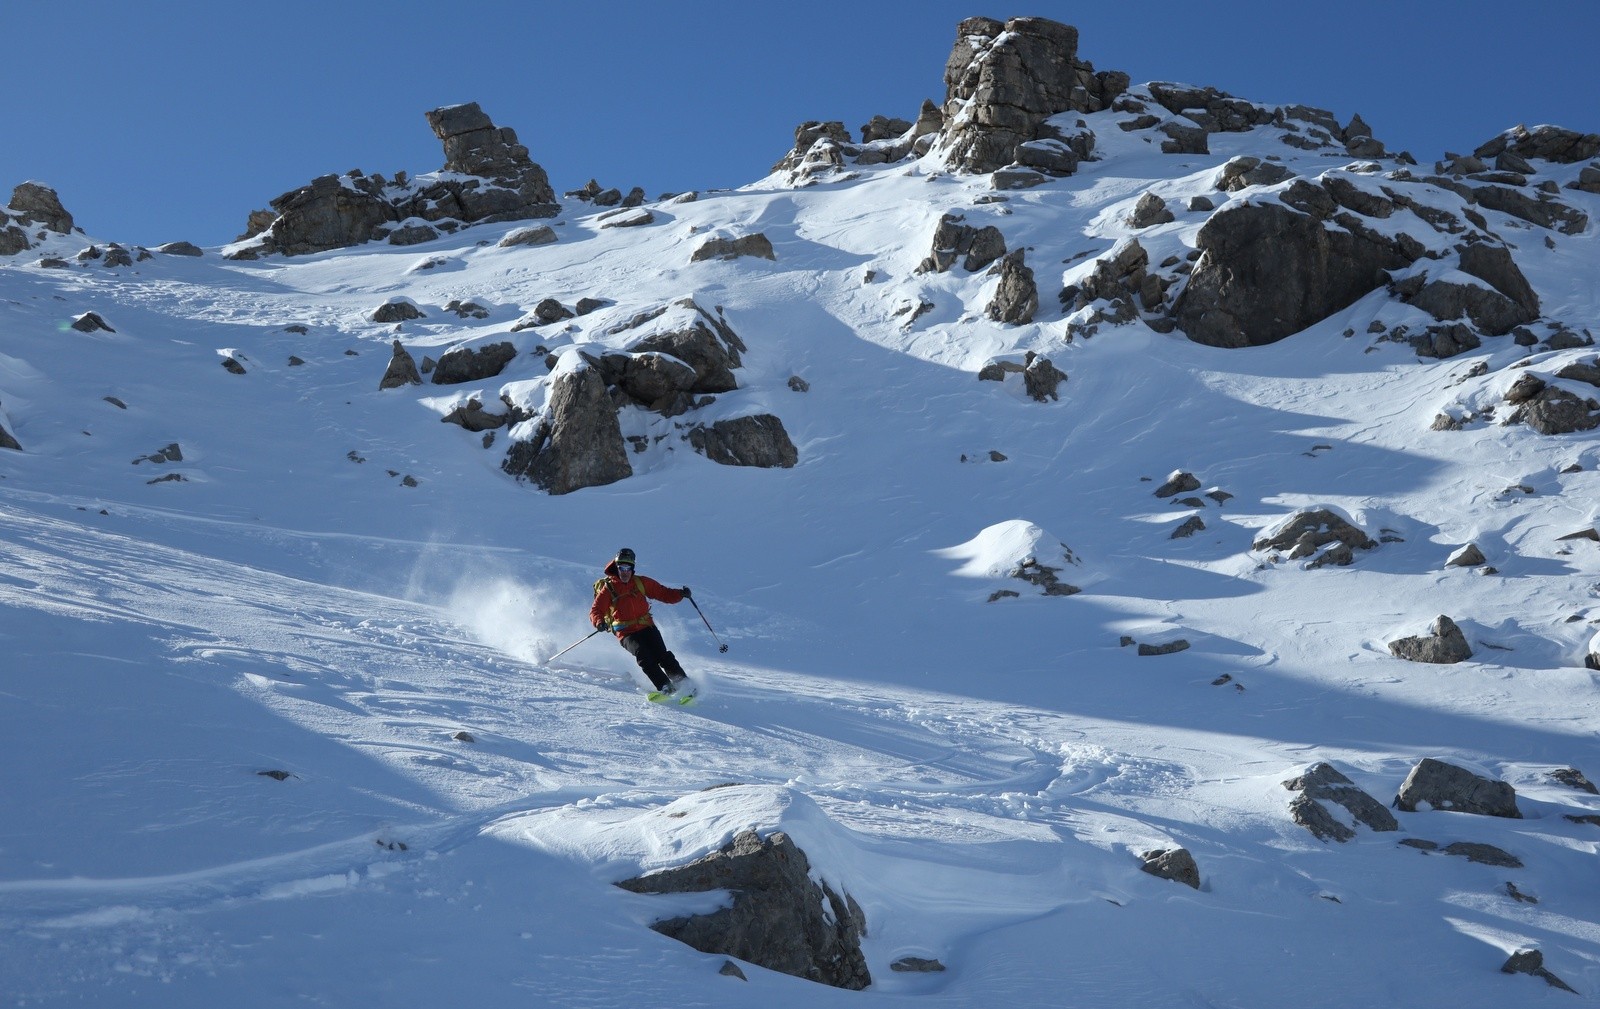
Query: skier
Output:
(622,606)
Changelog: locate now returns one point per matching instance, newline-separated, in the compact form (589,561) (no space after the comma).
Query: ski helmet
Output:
(625,556)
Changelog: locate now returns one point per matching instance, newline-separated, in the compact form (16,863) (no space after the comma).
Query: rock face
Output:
(758,440)
(465,364)
(577,442)
(684,356)
(487,176)
(1531,961)
(1446,786)
(1444,645)
(31,206)
(1003,80)
(1270,269)
(1323,784)
(780,919)
(953,241)
(1017,297)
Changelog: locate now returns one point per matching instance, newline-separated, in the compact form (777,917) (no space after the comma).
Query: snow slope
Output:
(981,776)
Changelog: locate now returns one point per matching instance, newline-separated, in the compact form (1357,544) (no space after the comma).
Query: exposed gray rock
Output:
(1245,171)
(953,240)
(1531,961)
(883,128)
(756,245)
(90,322)
(1017,297)
(758,440)
(1444,645)
(468,364)
(1574,778)
(1178,482)
(656,381)
(1468,556)
(402,370)
(1191,525)
(1307,532)
(1271,268)
(1166,648)
(707,344)
(7,441)
(1044,576)
(397,310)
(487,176)
(39,206)
(1175,864)
(1321,784)
(472,416)
(1004,79)
(577,442)
(1448,787)
(180,249)
(1547,143)
(541,235)
(1149,211)
(1041,379)
(917,965)
(780,919)
(1556,411)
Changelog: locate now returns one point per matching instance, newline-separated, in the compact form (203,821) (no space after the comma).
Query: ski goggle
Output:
(624,567)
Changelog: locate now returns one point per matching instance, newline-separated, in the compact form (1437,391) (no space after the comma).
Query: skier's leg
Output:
(647,654)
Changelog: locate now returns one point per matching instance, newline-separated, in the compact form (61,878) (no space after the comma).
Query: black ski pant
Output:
(651,653)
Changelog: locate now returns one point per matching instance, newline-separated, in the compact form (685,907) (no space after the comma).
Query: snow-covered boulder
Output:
(1323,784)
(1438,785)
(779,918)
(1015,551)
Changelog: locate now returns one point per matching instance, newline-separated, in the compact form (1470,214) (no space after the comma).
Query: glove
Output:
(686,592)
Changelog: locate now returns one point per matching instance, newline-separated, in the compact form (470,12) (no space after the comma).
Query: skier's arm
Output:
(659,592)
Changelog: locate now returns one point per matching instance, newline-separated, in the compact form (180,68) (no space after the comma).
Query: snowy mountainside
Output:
(978,763)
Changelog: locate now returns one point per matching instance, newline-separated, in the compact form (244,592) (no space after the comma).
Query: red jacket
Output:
(627,603)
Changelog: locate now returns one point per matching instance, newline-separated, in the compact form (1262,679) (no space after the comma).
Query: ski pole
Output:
(720,646)
(575,644)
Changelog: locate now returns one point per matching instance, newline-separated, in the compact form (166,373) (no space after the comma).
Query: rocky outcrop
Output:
(1323,784)
(1003,80)
(1271,268)
(1017,297)
(402,370)
(1443,786)
(756,245)
(487,177)
(576,442)
(953,241)
(32,206)
(1531,961)
(779,919)
(758,440)
(1443,645)
(1306,532)
(469,364)
(1546,143)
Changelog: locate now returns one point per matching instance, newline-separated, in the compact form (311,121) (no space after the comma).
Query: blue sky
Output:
(170,119)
